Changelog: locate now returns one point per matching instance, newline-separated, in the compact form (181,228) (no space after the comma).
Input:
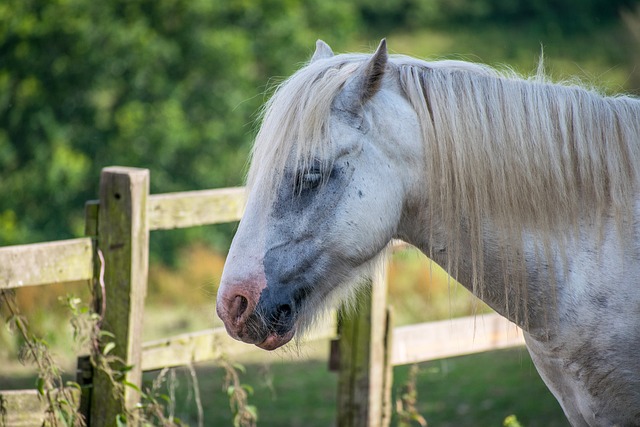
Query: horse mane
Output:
(524,153)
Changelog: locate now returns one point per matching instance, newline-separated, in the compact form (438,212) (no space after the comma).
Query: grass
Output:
(296,388)
(483,389)
(477,390)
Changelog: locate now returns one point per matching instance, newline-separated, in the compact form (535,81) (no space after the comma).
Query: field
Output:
(476,390)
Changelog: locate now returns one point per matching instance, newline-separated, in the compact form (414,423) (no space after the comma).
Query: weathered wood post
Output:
(123,241)
(361,354)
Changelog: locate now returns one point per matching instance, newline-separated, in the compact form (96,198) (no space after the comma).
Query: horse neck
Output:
(520,291)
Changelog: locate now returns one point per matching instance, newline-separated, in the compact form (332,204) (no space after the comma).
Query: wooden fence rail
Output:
(46,263)
(365,346)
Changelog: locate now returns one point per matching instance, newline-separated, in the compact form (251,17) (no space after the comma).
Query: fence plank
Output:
(191,208)
(123,239)
(455,337)
(207,345)
(26,408)
(189,348)
(44,263)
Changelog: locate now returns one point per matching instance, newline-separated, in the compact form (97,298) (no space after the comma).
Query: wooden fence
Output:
(115,253)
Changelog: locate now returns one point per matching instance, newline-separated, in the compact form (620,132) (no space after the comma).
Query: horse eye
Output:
(309,180)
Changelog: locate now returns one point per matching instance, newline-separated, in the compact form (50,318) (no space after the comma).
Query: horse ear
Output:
(323,51)
(366,83)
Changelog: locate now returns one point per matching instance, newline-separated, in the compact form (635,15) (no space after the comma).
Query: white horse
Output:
(525,191)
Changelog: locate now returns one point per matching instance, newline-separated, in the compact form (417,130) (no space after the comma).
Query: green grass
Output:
(483,389)
(477,390)
(296,388)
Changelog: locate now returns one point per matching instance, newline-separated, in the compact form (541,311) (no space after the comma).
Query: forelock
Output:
(295,121)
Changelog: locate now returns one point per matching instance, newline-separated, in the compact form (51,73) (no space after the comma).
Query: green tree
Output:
(560,16)
(169,85)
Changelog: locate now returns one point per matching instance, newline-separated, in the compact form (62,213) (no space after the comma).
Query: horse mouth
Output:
(267,336)
(274,340)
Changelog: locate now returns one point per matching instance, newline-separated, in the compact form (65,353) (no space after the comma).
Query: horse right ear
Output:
(323,51)
(365,83)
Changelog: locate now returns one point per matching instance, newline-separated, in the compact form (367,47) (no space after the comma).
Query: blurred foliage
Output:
(561,16)
(632,23)
(174,86)
(169,85)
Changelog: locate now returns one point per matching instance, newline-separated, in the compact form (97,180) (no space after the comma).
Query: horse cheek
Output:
(368,224)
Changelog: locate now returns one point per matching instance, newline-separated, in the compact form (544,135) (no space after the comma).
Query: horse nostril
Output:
(284,310)
(283,314)
(238,307)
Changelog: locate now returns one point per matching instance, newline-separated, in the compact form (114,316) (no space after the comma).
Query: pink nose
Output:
(233,310)
(237,308)
(236,303)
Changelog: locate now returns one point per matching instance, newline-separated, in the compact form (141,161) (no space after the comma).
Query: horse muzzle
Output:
(246,318)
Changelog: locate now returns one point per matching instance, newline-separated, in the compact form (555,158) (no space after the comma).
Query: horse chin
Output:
(275,340)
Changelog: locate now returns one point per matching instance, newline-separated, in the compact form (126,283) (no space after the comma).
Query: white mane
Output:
(527,154)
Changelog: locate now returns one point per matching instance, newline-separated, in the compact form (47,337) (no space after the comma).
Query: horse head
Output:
(326,193)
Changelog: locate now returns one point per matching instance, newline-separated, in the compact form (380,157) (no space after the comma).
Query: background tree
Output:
(174,86)
(169,85)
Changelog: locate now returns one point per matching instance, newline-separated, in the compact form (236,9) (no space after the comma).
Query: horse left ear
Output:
(323,51)
(366,83)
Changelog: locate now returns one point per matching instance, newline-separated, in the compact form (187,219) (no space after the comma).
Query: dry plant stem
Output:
(406,402)
(238,396)
(196,394)
(59,400)
(20,324)
(103,299)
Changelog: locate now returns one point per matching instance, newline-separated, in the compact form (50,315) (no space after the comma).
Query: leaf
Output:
(126,368)
(121,420)
(132,385)
(252,410)
(108,347)
(240,368)
(106,334)
(248,389)
(511,421)
(73,384)
(230,390)
(40,385)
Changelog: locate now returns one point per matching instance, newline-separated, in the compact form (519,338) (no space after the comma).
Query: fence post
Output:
(123,240)
(365,373)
